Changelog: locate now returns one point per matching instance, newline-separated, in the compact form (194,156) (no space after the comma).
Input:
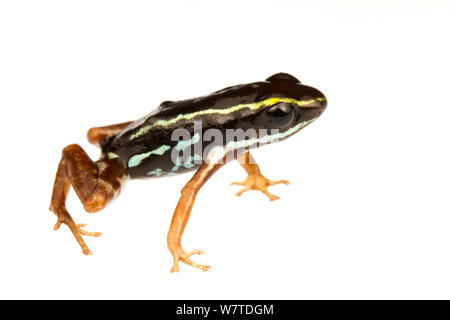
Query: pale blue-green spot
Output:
(137,158)
(112,155)
(157,172)
(189,163)
(183,144)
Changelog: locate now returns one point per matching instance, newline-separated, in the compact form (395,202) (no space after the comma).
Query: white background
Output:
(367,214)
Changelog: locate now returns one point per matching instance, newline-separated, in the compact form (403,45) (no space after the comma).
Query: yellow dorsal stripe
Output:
(252,106)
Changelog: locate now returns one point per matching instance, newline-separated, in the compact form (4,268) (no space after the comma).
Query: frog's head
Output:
(288,105)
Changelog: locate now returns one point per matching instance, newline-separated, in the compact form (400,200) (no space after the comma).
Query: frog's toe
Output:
(86,233)
(271,183)
(58,224)
(269,195)
(191,253)
(240,192)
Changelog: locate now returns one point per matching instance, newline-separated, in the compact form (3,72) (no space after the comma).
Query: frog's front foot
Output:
(180,255)
(77,231)
(258,182)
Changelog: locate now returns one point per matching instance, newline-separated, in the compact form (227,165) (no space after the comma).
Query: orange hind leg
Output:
(95,183)
(96,134)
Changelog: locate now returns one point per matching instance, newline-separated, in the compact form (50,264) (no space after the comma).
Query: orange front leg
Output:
(181,217)
(255,180)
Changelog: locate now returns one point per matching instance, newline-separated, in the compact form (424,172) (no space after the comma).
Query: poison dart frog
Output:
(201,134)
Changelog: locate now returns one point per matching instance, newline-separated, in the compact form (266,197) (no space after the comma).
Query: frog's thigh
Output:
(96,134)
(86,178)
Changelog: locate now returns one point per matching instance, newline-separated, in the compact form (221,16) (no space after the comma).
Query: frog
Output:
(168,142)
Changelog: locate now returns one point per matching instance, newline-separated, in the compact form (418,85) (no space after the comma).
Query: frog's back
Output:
(151,146)
(146,145)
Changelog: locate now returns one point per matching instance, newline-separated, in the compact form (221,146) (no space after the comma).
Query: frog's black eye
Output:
(279,115)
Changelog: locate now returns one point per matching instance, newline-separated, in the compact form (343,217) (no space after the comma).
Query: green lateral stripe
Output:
(252,106)
(235,145)
(137,158)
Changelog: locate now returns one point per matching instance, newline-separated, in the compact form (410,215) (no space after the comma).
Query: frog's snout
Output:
(314,104)
(320,99)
